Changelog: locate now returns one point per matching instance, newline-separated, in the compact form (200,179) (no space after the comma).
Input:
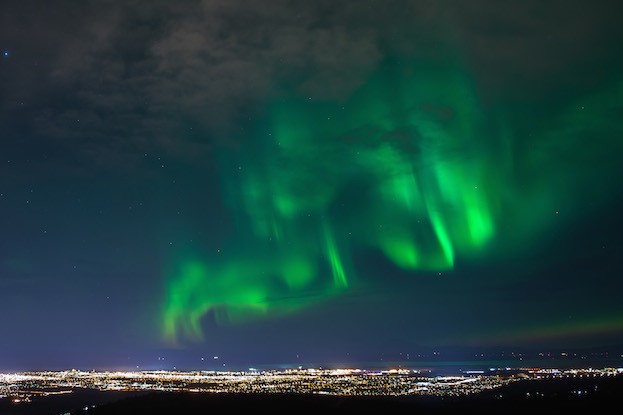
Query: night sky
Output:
(301,181)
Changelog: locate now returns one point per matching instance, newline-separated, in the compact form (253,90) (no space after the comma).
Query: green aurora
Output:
(411,165)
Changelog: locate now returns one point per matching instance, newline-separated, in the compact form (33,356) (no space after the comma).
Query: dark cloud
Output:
(532,50)
(111,81)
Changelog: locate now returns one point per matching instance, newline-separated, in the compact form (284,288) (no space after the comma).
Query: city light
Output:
(21,387)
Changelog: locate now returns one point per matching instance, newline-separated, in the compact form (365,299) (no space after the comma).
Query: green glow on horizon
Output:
(407,166)
(555,329)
